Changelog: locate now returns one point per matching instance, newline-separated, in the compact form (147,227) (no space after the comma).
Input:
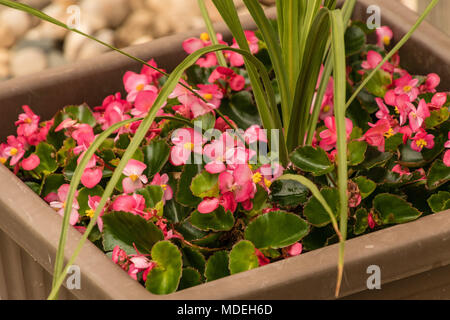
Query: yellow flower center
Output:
(27,120)
(268,183)
(208,96)
(13,151)
(389,134)
(134,177)
(90,213)
(140,87)
(396,110)
(164,187)
(204,36)
(386,40)
(250,166)
(2,160)
(257,177)
(326,108)
(421,143)
(407,88)
(189,146)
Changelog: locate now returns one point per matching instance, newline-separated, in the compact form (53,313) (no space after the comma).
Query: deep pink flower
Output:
(384,36)
(28,123)
(430,85)
(228,202)
(119,256)
(422,140)
(371,221)
(236,60)
(59,203)
(151,74)
(134,178)
(93,203)
(417,116)
(135,83)
(194,44)
(240,182)
(438,101)
(447,158)
(30,163)
(134,204)
(329,136)
(375,136)
(235,81)
(211,93)
(407,85)
(262,259)
(15,149)
(295,249)
(400,170)
(144,102)
(208,205)
(92,177)
(383,112)
(373,60)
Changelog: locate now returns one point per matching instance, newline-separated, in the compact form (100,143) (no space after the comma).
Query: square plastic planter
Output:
(414,258)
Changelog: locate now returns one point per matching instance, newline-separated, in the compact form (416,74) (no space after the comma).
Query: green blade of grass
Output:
(340,81)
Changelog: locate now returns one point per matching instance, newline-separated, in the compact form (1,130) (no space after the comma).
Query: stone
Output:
(105,13)
(7,38)
(73,43)
(18,22)
(137,25)
(4,63)
(92,49)
(56,59)
(28,60)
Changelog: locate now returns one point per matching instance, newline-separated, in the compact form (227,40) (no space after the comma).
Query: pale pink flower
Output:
(30,163)
(59,203)
(135,179)
(329,136)
(417,116)
(384,36)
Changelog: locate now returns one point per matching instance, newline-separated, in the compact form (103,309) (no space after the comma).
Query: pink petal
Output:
(91,177)
(208,205)
(130,186)
(295,250)
(215,167)
(31,163)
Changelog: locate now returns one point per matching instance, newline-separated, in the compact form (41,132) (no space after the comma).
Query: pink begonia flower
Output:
(183,111)
(373,60)
(30,163)
(163,180)
(28,123)
(3,155)
(134,178)
(134,204)
(15,149)
(228,202)
(92,177)
(135,83)
(211,93)
(327,108)
(119,256)
(430,85)
(422,140)
(144,102)
(84,136)
(295,249)
(438,101)
(407,133)
(407,85)
(269,173)
(262,259)
(417,116)
(447,153)
(375,136)
(151,73)
(221,124)
(329,136)
(400,170)
(197,106)
(168,234)
(383,111)
(93,203)
(236,59)
(384,36)
(216,152)
(186,141)
(66,124)
(115,112)
(235,81)
(402,107)
(208,205)
(371,221)
(59,203)
(240,182)
(194,44)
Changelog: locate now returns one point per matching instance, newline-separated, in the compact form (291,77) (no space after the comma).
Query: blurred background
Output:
(28,45)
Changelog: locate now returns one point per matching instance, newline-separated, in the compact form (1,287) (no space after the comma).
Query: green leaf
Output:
(47,156)
(184,194)
(241,110)
(316,214)
(437,117)
(356,152)
(125,229)
(276,230)
(243,257)
(190,232)
(205,122)
(156,155)
(374,158)
(438,175)
(219,220)
(362,221)
(379,83)
(393,142)
(217,266)
(190,278)
(355,39)
(153,195)
(205,185)
(165,277)
(288,193)
(393,209)
(437,202)
(36,187)
(193,258)
(83,197)
(314,160)
(366,186)
(82,113)
(52,184)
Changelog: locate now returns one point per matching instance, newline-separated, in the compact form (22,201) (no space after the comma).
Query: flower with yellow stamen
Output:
(134,177)
(189,146)
(90,213)
(208,96)
(421,143)
(267,182)
(13,151)
(204,36)
(257,177)
(389,134)
(3,160)
(386,40)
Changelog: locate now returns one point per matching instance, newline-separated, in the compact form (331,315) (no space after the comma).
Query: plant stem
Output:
(211,32)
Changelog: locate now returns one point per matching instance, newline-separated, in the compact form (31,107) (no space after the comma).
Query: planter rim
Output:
(293,278)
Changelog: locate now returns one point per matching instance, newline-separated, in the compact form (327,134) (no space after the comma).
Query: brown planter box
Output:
(414,257)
